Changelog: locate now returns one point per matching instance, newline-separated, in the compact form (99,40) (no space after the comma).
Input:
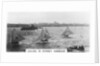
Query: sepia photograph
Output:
(48,30)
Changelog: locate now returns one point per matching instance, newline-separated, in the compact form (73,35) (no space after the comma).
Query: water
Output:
(80,36)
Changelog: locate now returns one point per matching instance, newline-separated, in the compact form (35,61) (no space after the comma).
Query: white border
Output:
(88,57)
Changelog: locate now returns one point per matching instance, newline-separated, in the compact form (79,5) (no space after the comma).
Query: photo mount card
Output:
(49,32)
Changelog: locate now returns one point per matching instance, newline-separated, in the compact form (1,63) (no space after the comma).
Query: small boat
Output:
(31,27)
(67,33)
(44,37)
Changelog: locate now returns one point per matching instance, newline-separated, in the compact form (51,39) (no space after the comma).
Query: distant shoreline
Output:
(45,25)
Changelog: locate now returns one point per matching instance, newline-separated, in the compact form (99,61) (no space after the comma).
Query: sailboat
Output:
(14,40)
(67,33)
(44,37)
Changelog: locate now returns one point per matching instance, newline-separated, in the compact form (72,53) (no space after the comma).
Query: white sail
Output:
(67,32)
(44,34)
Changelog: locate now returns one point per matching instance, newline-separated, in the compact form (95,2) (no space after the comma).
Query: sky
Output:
(50,17)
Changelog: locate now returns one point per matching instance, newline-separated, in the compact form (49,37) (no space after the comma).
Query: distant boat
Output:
(44,36)
(67,33)
(32,27)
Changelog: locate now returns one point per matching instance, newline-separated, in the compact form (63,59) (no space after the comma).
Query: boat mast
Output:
(67,33)
(44,34)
